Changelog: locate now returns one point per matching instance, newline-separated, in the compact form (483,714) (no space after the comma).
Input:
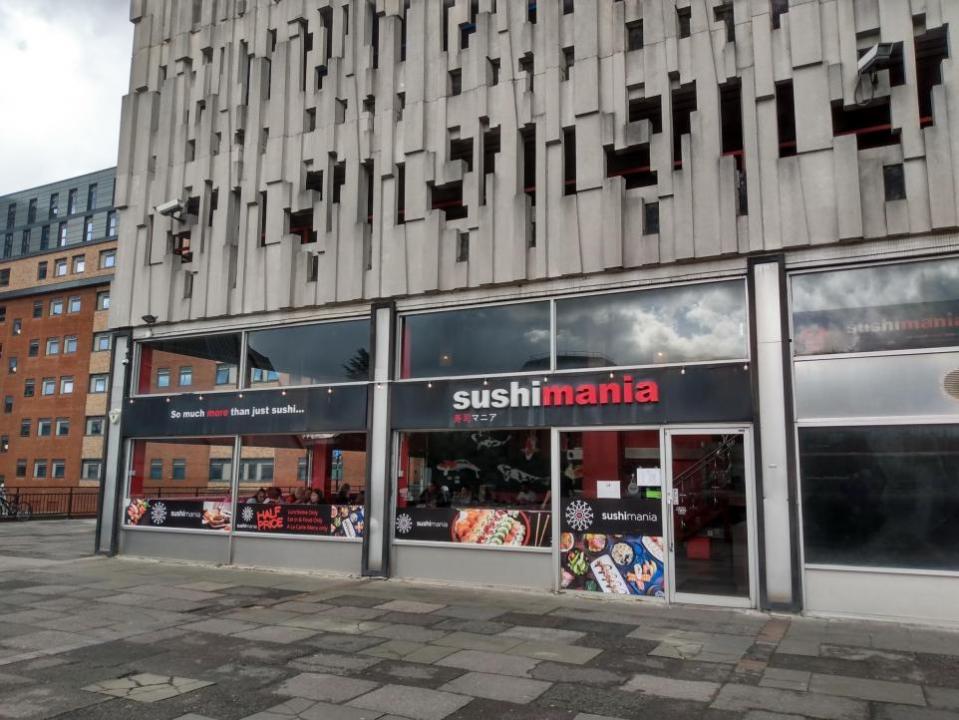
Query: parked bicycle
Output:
(14,507)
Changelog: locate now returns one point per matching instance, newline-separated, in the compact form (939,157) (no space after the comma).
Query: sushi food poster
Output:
(613,546)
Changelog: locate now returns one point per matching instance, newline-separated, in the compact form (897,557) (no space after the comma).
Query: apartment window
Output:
(4,277)
(163,378)
(103,300)
(73,306)
(29,387)
(62,235)
(98,383)
(108,259)
(95,425)
(651,218)
(38,309)
(25,427)
(11,215)
(33,349)
(8,404)
(8,245)
(179,469)
(44,427)
(112,223)
(17,326)
(12,365)
(684,17)
(92,196)
(56,307)
(186,376)
(69,344)
(49,386)
(894,182)
(79,264)
(53,346)
(25,242)
(4,443)
(42,270)
(188,286)
(224,374)
(54,205)
(71,202)
(60,267)
(45,237)
(102,342)
(66,385)
(63,427)
(59,468)
(40,469)
(21,467)
(3,313)
(156,469)
(32,211)
(91,469)
(88,229)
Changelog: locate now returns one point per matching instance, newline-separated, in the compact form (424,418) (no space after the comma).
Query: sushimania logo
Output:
(539,394)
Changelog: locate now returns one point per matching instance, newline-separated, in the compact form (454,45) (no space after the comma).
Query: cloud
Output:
(66,66)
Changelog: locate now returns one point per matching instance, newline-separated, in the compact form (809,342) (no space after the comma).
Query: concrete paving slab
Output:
(325,687)
(865,689)
(412,702)
(497,687)
(696,691)
(488,662)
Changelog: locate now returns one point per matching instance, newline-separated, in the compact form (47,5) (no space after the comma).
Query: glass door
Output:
(709,514)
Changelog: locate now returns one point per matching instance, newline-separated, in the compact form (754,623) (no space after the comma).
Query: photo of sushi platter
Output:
(621,564)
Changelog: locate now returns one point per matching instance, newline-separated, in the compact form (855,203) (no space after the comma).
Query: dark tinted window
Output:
(881,496)
(477,341)
(310,354)
(888,307)
(203,354)
(666,325)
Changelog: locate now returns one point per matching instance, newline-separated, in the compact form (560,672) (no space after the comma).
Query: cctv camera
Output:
(170,208)
(876,58)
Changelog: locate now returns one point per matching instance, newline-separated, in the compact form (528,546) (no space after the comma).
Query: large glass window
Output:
(312,484)
(310,354)
(476,341)
(885,307)
(205,356)
(884,496)
(171,486)
(689,323)
(481,488)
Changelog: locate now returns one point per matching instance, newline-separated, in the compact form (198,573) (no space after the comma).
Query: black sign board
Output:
(627,516)
(296,410)
(175,513)
(703,393)
(475,526)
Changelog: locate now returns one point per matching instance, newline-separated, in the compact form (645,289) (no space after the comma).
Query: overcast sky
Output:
(64,64)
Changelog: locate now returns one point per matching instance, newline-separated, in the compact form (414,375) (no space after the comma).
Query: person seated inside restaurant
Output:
(257,499)
(315,497)
(526,496)
(298,496)
(343,496)
(273,495)
(483,495)
(464,496)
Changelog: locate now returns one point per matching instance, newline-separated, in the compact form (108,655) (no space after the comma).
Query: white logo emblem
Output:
(158,513)
(579,515)
(247,514)
(404,524)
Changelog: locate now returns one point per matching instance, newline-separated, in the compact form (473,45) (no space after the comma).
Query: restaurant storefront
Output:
(596,442)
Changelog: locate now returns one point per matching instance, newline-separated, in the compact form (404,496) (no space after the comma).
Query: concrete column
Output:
(775,469)
(113,472)
(379,456)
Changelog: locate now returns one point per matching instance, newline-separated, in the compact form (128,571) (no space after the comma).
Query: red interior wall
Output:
(602,452)
(138,468)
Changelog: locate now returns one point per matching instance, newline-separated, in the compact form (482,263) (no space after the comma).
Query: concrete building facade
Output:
(58,258)
(701,212)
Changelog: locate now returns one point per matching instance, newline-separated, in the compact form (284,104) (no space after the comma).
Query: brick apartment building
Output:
(56,264)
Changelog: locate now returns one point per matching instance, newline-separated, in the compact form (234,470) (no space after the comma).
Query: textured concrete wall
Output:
(223,95)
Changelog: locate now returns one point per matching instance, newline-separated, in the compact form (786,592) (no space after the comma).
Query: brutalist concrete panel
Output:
(268,109)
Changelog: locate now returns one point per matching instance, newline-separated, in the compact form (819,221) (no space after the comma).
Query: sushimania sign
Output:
(537,394)
(651,396)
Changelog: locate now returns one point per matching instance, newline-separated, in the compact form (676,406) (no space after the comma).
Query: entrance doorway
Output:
(709,499)
(657,513)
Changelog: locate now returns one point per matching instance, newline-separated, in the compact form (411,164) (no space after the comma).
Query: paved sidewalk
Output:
(101,638)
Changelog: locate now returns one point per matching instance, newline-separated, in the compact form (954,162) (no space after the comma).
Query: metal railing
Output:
(57,502)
